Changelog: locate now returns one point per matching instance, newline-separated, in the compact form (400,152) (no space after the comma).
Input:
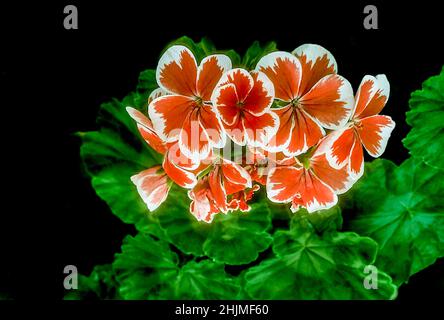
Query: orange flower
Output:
(309,182)
(153,186)
(242,100)
(185,114)
(210,194)
(312,96)
(179,169)
(366,127)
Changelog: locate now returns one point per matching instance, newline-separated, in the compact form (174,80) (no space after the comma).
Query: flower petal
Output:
(146,130)
(140,118)
(193,139)
(152,186)
(356,162)
(374,132)
(372,96)
(329,101)
(163,112)
(213,128)
(217,189)
(225,101)
(240,199)
(260,129)
(202,205)
(179,175)
(241,79)
(236,174)
(181,160)
(340,145)
(282,184)
(377,100)
(261,96)
(302,187)
(282,137)
(305,134)
(338,179)
(284,70)
(209,72)
(177,71)
(156,93)
(315,194)
(236,132)
(316,63)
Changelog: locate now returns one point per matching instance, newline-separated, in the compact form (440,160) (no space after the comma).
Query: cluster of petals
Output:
(299,123)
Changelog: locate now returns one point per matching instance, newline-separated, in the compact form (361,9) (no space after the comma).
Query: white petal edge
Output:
(353,175)
(345,94)
(267,134)
(243,173)
(385,134)
(269,61)
(271,193)
(358,93)
(173,53)
(223,61)
(313,52)
(269,88)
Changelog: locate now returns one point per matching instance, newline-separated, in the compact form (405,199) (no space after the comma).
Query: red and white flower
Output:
(178,168)
(185,115)
(311,182)
(314,97)
(210,196)
(239,200)
(366,127)
(156,93)
(203,203)
(242,100)
(306,149)
(153,186)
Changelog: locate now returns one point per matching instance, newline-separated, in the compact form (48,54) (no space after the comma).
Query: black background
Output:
(55,80)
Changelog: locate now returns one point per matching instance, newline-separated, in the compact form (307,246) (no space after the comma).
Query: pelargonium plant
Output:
(302,129)
(230,168)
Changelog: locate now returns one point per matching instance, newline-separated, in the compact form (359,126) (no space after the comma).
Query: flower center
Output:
(357,124)
(198,101)
(295,102)
(305,158)
(305,162)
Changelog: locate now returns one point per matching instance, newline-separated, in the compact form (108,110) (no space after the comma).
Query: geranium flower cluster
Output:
(292,125)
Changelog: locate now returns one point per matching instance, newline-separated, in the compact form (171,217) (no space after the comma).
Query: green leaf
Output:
(145,268)
(206,280)
(115,153)
(402,209)
(234,238)
(237,237)
(255,52)
(322,220)
(144,251)
(147,83)
(207,46)
(100,284)
(180,226)
(308,265)
(426,116)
